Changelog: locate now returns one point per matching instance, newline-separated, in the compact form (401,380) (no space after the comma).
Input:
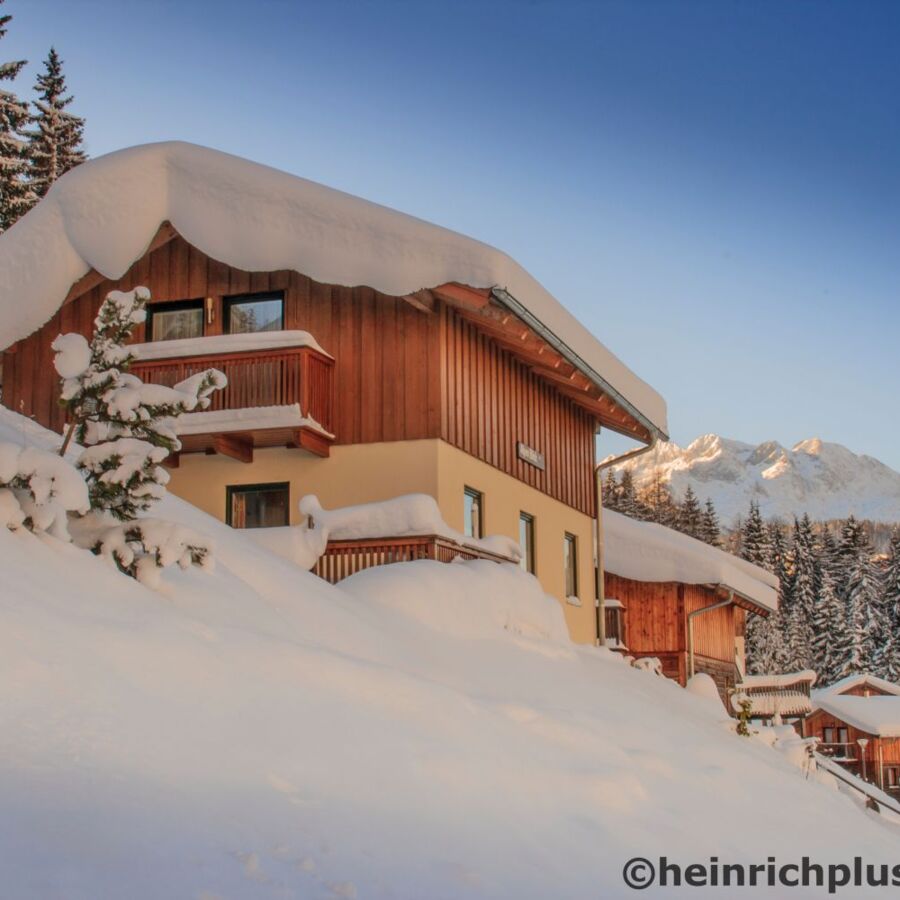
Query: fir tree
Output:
(755,546)
(827,625)
(689,514)
(15,194)
(609,495)
(124,424)
(54,145)
(890,602)
(799,591)
(656,501)
(710,531)
(627,499)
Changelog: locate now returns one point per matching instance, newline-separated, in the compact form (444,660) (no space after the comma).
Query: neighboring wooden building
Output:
(681,600)
(857,723)
(368,354)
(776,699)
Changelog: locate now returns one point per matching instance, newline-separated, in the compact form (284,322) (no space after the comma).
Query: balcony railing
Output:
(344,558)
(256,378)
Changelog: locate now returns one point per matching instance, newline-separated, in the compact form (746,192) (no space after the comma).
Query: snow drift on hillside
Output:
(423,731)
(826,480)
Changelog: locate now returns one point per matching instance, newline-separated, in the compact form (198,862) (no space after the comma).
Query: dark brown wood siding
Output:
(401,373)
(493,402)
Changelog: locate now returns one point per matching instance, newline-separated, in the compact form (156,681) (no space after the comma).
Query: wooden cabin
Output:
(680,600)
(857,723)
(369,354)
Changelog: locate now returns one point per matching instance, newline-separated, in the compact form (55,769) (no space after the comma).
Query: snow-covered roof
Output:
(104,213)
(876,715)
(785,679)
(645,551)
(861,680)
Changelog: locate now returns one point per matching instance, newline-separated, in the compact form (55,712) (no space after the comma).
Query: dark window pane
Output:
(526,541)
(173,324)
(248,314)
(473,513)
(259,506)
(570,562)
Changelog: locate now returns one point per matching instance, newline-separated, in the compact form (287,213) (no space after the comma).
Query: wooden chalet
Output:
(857,724)
(675,598)
(368,354)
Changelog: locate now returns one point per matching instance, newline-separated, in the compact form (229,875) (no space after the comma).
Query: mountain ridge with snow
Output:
(824,479)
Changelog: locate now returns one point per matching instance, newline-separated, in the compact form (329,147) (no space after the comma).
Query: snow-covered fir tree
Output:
(799,597)
(54,141)
(755,543)
(16,196)
(710,530)
(827,626)
(126,428)
(656,500)
(890,602)
(689,514)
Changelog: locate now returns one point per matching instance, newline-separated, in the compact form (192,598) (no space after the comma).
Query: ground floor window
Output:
(473,513)
(174,321)
(526,541)
(258,505)
(570,564)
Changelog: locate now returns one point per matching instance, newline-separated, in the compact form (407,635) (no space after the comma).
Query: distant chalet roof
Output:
(876,715)
(852,681)
(104,214)
(645,551)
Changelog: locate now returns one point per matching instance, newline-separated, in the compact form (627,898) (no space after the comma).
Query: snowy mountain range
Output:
(825,480)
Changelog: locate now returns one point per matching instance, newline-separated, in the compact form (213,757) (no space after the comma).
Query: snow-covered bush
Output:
(38,490)
(127,429)
(144,547)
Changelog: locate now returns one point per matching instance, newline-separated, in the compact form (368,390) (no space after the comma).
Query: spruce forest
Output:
(40,140)
(839,601)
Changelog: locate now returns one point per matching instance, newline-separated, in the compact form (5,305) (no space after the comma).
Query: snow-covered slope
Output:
(425,731)
(828,481)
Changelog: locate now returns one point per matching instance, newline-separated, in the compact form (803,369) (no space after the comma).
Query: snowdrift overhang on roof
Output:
(878,715)
(104,214)
(645,551)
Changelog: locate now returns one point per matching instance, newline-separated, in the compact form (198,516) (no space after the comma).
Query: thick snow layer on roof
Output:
(224,343)
(645,551)
(876,715)
(103,215)
(852,681)
(786,679)
(258,733)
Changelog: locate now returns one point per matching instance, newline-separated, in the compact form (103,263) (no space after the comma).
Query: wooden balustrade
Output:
(344,558)
(279,377)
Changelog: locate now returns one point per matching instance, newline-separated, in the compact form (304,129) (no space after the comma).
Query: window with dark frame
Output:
(526,541)
(253,313)
(570,564)
(827,735)
(473,513)
(175,321)
(842,736)
(258,505)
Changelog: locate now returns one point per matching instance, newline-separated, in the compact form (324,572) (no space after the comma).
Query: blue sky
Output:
(713,187)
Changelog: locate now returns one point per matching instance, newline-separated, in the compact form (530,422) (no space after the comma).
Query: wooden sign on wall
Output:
(530,455)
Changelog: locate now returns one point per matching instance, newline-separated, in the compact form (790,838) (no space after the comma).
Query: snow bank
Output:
(261,734)
(103,215)
(645,551)
(703,685)
(246,419)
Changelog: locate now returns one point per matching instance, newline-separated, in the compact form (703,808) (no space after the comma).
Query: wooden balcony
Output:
(344,558)
(286,393)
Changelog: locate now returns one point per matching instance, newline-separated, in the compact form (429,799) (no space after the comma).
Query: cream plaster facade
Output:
(362,473)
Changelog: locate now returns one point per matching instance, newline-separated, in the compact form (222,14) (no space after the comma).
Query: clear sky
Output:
(713,187)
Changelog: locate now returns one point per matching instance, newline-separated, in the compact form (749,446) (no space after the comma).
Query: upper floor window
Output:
(249,313)
(570,564)
(172,321)
(526,541)
(473,513)
(258,505)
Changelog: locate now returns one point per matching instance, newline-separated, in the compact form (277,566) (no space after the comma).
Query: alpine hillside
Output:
(824,480)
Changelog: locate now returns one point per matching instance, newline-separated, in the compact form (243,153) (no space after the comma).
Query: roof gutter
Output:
(510,302)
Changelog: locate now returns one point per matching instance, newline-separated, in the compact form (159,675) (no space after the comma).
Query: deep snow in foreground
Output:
(424,732)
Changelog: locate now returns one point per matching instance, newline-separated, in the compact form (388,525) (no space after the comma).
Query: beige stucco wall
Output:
(362,473)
